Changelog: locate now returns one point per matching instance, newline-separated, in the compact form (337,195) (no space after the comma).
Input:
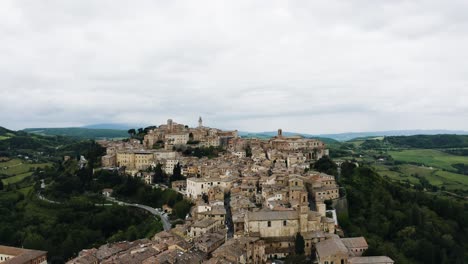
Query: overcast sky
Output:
(305,66)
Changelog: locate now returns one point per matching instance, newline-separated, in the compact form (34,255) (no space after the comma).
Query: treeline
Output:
(407,225)
(70,181)
(429,141)
(133,189)
(200,152)
(47,148)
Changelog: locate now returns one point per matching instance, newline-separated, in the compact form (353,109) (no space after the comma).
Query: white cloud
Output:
(305,66)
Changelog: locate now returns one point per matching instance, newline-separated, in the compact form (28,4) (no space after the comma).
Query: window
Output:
(284,223)
(269,223)
(326,262)
(296,183)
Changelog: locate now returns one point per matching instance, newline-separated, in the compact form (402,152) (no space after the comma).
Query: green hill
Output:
(430,141)
(79,132)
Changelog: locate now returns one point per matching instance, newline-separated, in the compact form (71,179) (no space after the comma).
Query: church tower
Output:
(200,122)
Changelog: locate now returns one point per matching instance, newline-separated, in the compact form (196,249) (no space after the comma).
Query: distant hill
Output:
(267,135)
(79,132)
(20,142)
(429,141)
(354,135)
(114,126)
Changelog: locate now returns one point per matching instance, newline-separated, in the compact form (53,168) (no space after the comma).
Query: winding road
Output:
(165,220)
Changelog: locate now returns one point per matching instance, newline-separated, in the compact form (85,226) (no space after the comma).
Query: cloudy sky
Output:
(306,66)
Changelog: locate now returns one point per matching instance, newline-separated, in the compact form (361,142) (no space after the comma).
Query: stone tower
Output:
(200,122)
(280,132)
(170,124)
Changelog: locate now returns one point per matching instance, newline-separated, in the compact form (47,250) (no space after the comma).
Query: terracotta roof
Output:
(204,223)
(272,215)
(355,242)
(21,255)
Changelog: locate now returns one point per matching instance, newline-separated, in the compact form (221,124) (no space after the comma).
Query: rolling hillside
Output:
(79,132)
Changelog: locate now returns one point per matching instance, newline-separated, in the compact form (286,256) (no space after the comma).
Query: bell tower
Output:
(200,122)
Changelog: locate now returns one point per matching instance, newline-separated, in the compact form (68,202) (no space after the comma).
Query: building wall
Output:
(273,228)
(198,231)
(143,160)
(4,257)
(338,259)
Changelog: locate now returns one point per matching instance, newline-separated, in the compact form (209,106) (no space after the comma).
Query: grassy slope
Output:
(435,176)
(18,170)
(429,157)
(78,132)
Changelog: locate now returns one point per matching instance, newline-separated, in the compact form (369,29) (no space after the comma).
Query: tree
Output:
(248,151)
(131,132)
(326,165)
(205,197)
(182,208)
(159,174)
(300,244)
(177,173)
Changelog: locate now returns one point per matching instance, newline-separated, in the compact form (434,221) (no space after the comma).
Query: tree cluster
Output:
(407,225)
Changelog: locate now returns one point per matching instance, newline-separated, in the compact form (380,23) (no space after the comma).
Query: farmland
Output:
(16,170)
(429,157)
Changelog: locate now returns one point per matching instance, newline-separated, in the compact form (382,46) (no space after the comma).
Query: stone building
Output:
(204,226)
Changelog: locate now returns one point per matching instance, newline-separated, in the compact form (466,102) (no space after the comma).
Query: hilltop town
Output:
(256,201)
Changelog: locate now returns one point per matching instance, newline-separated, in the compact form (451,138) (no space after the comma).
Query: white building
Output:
(196,187)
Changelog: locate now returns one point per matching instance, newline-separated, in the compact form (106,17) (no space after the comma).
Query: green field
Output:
(429,157)
(18,170)
(436,177)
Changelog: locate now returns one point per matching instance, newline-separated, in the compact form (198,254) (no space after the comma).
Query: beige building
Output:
(285,223)
(331,251)
(210,241)
(202,227)
(109,160)
(326,193)
(177,138)
(135,160)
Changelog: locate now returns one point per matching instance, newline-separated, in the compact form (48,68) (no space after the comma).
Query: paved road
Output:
(165,220)
(45,199)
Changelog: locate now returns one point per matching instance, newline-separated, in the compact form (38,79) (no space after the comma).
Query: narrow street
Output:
(229,223)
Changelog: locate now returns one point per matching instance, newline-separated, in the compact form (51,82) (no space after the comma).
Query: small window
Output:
(269,223)
(284,223)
